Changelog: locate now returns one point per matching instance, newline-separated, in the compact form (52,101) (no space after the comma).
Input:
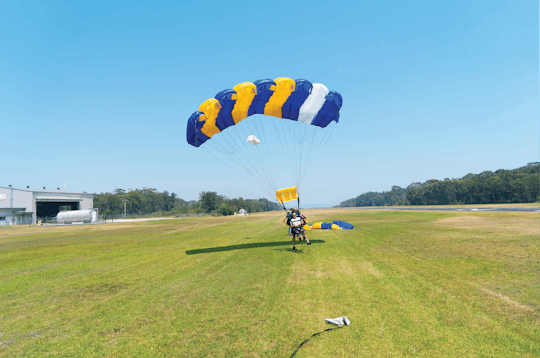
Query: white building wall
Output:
(27,198)
(5,197)
(22,199)
(87,203)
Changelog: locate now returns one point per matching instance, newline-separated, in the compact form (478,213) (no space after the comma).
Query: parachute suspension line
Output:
(301,159)
(296,141)
(248,153)
(309,169)
(302,142)
(316,151)
(280,129)
(311,158)
(320,147)
(285,145)
(233,157)
(253,175)
(262,151)
(217,145)
(260,124)
(286,131)
(298,151)
(254,183)
(239,159)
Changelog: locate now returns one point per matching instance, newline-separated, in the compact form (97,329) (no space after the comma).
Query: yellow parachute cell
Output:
(245,93)
(210,108)
(283,89)
(336,227)
(316,225)
(287,194)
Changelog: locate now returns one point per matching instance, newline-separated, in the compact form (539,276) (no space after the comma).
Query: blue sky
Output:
(97,95)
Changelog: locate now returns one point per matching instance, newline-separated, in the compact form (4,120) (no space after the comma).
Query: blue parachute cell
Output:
(264,92)
(224,118)
(327,226)
(291,107)
(343,225)
(193,132)
(329,111)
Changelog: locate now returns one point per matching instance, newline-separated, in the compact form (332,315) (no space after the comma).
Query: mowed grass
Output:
(426,284)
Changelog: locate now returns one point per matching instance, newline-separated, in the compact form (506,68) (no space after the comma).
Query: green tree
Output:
(210,201)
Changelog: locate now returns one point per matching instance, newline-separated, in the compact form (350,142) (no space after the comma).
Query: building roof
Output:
(55,191)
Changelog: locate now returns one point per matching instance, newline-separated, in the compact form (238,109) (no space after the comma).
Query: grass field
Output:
(426,284)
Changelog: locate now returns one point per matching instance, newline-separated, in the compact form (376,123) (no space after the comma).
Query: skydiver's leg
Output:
(305,238)
(293,237)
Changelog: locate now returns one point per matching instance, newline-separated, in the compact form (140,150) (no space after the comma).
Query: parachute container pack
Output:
(300,100)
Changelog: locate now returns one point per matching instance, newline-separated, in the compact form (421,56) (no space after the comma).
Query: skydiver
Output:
(298,214)
(288,219)
(298,229)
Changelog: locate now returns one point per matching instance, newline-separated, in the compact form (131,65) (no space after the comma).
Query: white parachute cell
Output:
(253,140)
(313,103)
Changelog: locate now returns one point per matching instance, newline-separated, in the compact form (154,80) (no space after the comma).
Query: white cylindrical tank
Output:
(75,215)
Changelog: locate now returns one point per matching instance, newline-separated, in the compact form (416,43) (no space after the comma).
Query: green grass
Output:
(426,284)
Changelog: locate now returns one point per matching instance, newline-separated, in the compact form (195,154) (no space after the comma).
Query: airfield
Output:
(431,283)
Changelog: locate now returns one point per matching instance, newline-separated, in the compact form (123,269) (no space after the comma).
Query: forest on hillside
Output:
(147,201)
(521,185)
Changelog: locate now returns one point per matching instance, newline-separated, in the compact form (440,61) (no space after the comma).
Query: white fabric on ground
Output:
(340,321)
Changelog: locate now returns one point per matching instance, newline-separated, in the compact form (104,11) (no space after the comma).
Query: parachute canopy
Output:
(299,100)
(287,194)
(287,124)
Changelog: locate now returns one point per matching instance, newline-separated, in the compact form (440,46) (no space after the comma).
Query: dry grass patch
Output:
(521,224)
(506,299)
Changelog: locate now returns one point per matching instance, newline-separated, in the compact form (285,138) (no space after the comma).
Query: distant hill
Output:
(519,185)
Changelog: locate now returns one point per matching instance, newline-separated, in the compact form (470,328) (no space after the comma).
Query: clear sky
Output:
(97,94)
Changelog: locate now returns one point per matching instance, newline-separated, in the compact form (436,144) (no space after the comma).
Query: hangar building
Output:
(28,206)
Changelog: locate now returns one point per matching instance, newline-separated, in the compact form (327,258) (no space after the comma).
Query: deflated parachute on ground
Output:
(299,100)
(335,225)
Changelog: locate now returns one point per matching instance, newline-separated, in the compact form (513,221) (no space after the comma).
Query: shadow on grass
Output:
(246,246)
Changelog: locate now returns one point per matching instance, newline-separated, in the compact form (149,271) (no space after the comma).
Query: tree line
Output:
(521,185)
(148,201)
